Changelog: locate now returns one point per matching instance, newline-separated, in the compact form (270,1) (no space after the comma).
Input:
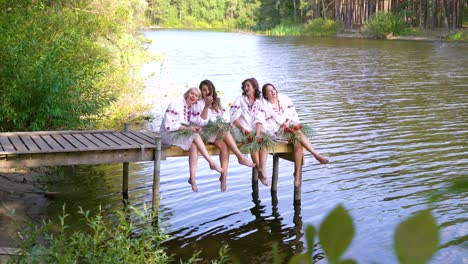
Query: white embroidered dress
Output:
(248,115)
(178,113)
(274,118)
(212,116)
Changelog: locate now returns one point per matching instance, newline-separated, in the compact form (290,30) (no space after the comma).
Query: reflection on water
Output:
(392,117)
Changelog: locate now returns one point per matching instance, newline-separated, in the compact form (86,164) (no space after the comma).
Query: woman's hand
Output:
(208,101)
(196,129)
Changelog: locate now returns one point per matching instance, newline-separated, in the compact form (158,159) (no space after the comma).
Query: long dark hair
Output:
(216,104)
(254,83)
(264,90)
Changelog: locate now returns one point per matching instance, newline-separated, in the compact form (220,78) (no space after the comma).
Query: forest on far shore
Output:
(268,14)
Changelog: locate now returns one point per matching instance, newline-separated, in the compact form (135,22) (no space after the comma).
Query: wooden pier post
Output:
(297,191)
(274,176)
(156,174)
(125,170)
(254,180)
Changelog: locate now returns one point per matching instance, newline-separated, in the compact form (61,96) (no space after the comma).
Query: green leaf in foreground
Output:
(300,259)
(417,238)
(310,235)
(336,233)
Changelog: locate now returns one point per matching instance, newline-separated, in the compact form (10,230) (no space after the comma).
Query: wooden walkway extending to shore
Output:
(58,148)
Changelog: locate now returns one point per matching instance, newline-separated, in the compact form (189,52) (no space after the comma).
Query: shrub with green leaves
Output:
(62,63)
(132,239)
(322,28)
(381,24)
(458,36)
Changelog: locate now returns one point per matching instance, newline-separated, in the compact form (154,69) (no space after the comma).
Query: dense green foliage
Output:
(132,239)
(65,64)
(322,27)
(382,24)
(266,15)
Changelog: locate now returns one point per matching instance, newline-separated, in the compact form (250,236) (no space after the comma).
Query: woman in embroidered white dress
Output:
(280,112)
(210,109)
(178,117)
(247,114)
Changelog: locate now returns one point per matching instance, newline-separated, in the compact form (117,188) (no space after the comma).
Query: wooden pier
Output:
(59,148)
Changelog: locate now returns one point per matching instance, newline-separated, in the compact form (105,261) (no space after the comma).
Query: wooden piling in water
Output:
(156,173)
(274,176)
(125,170)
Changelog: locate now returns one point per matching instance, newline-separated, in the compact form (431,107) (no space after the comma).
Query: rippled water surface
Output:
(391,115)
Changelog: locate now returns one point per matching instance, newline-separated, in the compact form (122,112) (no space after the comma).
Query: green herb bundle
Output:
(291,132)
(250,141)
(218,127)
(187,132)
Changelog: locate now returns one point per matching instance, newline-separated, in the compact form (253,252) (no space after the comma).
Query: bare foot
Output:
(215,167)
(262,178)
(194,185)
(321,159)
(246,162)
(223,183)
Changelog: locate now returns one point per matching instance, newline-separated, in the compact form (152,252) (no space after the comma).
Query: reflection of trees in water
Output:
(249,243)
(89,187)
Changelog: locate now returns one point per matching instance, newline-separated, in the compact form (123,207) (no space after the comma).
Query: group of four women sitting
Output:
(186,121)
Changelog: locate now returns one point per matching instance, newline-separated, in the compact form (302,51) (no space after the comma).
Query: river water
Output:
(390,115)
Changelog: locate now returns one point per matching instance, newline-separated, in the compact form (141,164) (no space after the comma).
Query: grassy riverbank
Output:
(414,34)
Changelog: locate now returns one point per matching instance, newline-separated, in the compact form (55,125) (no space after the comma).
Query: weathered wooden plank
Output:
(149,134)
(40,133)
(95,140)
(52,143)
(77,158)
(18,144)
(117,140)
(63,142)
(75,142)
(126,139)
(5,142)
(41,143)
(89,144)
(130,136)
(32,146)
(142,136)
(106,141)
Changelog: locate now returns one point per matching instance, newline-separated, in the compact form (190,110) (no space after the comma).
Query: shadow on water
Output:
(253,241)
